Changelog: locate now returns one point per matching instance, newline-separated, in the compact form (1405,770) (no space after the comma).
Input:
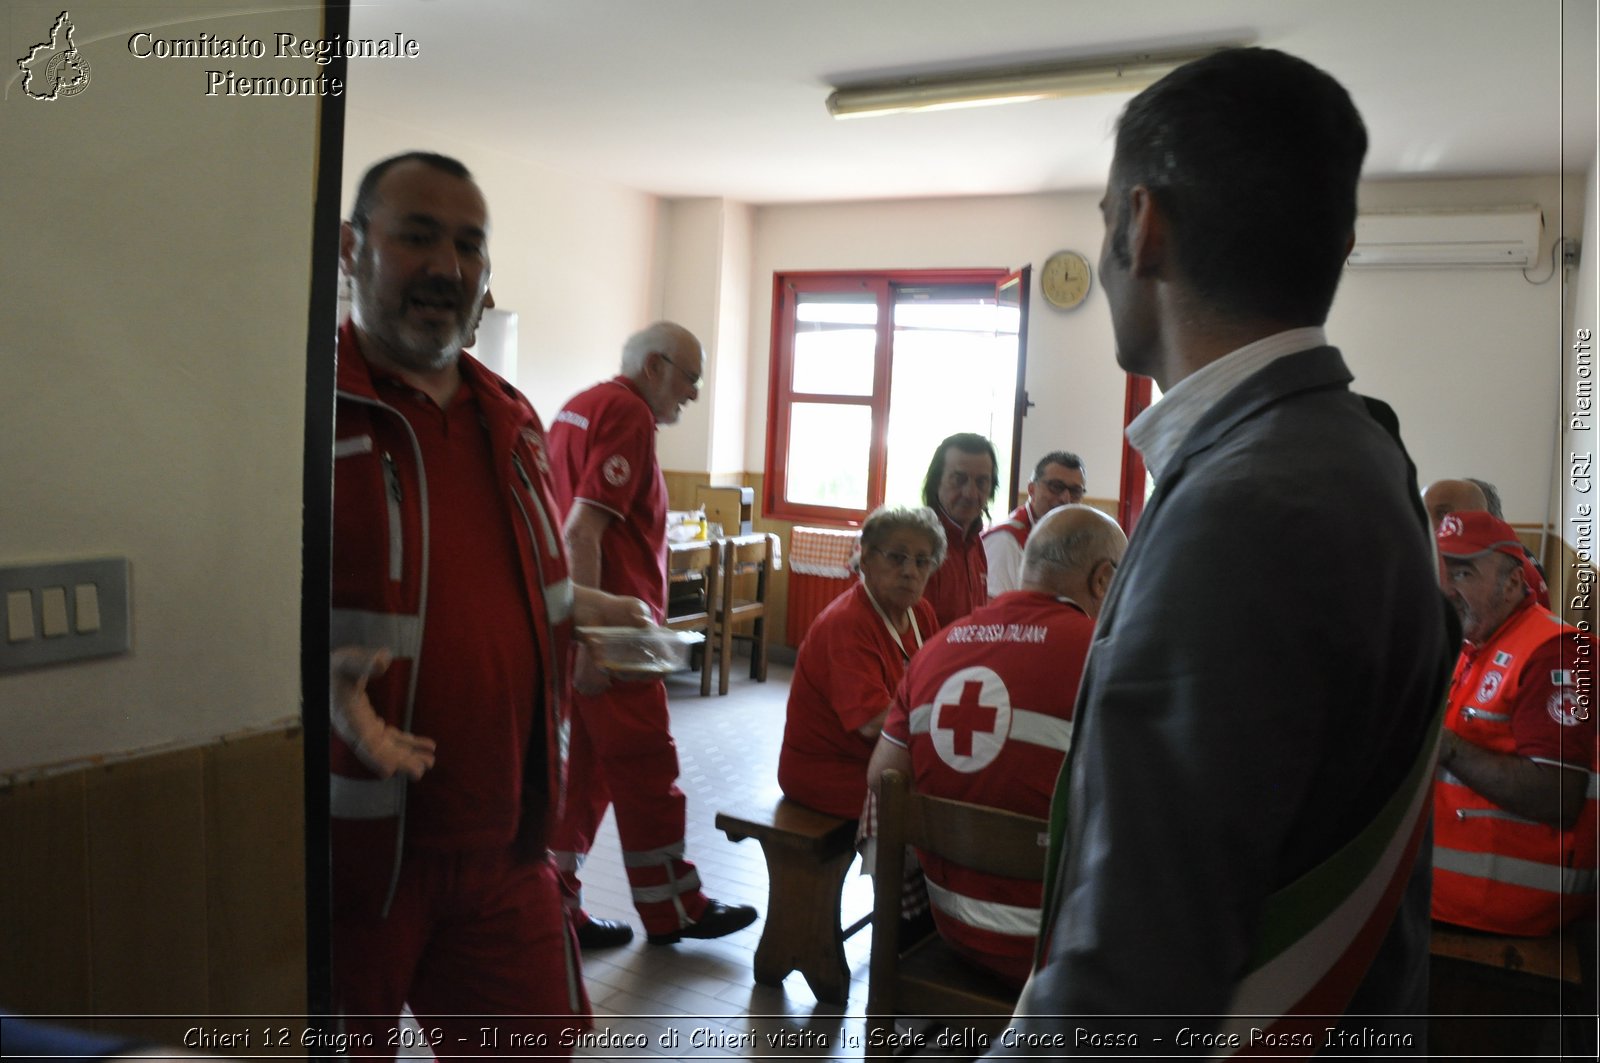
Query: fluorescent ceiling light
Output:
(1012,85)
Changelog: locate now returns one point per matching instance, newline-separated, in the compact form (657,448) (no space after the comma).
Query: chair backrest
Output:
(751,556)
(694,563)
(985,839)
(690,560)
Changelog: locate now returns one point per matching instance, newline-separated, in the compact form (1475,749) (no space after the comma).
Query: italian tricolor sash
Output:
(1320,932)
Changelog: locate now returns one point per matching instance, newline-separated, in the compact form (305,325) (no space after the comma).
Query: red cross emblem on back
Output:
(963,718)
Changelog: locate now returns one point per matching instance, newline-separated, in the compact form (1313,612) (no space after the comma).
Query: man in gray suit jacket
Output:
(1239,831)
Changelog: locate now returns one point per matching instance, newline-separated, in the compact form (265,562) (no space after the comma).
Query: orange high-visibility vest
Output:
(1492,869)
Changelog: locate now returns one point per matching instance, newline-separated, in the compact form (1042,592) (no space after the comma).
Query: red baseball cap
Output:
(1469,533)
(1472,533)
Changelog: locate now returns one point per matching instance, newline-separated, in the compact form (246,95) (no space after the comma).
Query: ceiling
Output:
(725,97)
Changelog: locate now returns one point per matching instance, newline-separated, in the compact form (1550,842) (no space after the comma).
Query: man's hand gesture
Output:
(383,748)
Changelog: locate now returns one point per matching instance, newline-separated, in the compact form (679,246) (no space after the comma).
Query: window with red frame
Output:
(870,370)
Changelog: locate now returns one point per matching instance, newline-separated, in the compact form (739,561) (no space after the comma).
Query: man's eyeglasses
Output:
(1059,487)
(898,560)
(692,378)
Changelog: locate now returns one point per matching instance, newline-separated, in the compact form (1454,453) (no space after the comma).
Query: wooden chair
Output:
(928,978)
(744,556)
(696,565)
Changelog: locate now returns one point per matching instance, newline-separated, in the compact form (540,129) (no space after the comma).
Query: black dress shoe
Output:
(604,934)
(716,921)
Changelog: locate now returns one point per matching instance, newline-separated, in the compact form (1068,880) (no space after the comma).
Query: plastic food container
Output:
(639,652)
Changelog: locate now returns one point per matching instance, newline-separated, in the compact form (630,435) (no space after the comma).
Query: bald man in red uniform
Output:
(451,615)
(985,716)
(608,484)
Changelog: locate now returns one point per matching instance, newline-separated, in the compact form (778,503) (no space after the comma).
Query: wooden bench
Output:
(1525,983)
(1554,958)
(808,855)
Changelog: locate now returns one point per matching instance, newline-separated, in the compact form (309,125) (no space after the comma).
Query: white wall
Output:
(1445,348)
(703,275)
(688,272)
(572,256)
(1470,359)
(152,364)
(734,414)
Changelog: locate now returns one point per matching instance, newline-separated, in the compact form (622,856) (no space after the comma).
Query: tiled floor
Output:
(697,999)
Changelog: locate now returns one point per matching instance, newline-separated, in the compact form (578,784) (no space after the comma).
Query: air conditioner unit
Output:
(1446,239)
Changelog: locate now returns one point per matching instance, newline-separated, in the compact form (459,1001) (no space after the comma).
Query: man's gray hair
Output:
(1491,497)
(662,337)
(1078,550)
(886,520)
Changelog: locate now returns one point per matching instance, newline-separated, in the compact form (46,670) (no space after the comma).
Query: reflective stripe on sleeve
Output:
(351,446)
(365,798)
(565,861)
(401,635)
(558,599)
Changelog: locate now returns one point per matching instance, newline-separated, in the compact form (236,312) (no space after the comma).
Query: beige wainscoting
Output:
(168,884)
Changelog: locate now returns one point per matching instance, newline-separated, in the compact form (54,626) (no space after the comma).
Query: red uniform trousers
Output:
(475,942)
(623,754)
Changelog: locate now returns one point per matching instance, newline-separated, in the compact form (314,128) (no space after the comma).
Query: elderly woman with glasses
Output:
(852,660)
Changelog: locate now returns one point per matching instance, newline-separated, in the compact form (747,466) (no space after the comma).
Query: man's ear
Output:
(1147,232)
(1100,581)
(347,247)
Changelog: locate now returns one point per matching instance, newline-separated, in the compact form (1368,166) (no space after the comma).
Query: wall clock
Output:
(1065,279)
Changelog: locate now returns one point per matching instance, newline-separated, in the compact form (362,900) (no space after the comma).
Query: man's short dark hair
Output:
(1064,458)
(1253,155)
(367,190)
(967,443)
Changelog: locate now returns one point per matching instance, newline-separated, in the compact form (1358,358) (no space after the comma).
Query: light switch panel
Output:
(87,603)
(93,620)
(19,616)
(53,612)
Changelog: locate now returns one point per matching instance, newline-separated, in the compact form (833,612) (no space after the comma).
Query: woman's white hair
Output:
(886,520)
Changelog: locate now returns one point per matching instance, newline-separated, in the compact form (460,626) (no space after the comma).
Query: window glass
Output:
(950,372)
(835,337)
(870,370)
(827,448)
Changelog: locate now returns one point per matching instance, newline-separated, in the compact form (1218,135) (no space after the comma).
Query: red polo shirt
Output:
(477,675)
(603,452)
(846,673)
(961,584)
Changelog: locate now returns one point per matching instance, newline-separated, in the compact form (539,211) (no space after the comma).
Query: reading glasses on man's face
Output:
(898,559)
(1061,487)
(692,378)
